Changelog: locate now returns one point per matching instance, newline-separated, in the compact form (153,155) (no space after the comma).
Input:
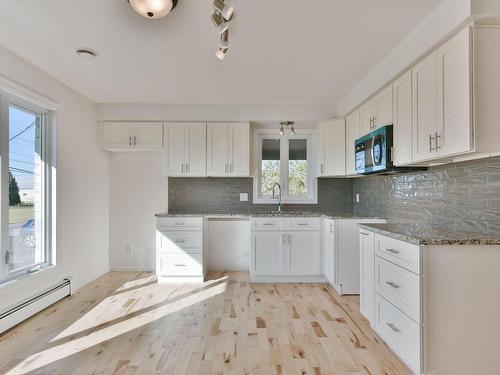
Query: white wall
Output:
(83,185)
(138,191)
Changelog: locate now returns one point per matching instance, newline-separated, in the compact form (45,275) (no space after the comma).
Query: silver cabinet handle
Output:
(180,241)
(289,238)
(431,138)
(230,167)
(394,251)
(303,224)
(364,233)
(437,136)
(322,168)
(130,140)
(179,223)
(187,168)
(180,265)
(135,140)
(392,284)
(182,168)
(283,241)
(268,224)
(225,167)
(393,327)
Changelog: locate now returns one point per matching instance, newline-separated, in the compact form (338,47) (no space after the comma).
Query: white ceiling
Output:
(282,51)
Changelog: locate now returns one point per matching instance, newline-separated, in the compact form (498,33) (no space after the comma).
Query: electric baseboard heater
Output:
(29,307)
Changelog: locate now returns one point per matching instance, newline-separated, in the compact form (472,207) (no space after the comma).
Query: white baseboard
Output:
(288,279)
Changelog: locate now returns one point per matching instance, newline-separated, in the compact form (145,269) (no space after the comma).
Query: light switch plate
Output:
(243,197)
(357,198)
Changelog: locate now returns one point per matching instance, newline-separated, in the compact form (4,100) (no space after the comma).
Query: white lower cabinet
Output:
(179,249)
(268,253)
(280,250)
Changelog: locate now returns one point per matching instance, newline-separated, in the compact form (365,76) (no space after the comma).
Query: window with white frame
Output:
(287,161)
(27,196)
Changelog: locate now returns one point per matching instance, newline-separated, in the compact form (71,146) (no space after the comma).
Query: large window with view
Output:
(26,196)
(285,161)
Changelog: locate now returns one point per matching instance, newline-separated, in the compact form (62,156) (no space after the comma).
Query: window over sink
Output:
(285,160)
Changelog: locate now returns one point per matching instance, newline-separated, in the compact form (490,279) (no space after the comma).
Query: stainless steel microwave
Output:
(373,153)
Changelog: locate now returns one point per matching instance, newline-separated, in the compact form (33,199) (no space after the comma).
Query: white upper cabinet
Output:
(332,148)
(424,82)
(135,136)
(377,111)
(402,119)
(228,152)
(185,154)
(352,133)
(454,130)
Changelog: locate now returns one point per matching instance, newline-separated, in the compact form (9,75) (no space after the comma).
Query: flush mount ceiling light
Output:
(284,125)
(153,8)
(221,17)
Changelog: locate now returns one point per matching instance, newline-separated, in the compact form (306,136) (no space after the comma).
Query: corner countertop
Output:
(269,214)
(429,235)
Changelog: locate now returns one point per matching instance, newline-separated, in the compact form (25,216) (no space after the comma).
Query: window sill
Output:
(15,281)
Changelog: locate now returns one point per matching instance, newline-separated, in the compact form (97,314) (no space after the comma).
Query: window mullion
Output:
(4,186)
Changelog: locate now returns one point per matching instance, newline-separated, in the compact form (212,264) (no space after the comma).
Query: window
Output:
(26,201)
(285,160)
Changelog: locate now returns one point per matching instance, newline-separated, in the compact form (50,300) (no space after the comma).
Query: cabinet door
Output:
(402,119)
(332,142)
(268,253)
(329,250)
(148,136)
(117,135)
(175,143)
(367,274)
(217,152)
(352,133)
(239,150)
(454,134)
(383,115)
(424,112)
(368,112)
(196,150)
(302,255)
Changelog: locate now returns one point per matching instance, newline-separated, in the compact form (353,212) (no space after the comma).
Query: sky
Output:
(22,148)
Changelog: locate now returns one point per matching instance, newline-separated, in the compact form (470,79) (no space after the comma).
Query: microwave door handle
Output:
(373,151)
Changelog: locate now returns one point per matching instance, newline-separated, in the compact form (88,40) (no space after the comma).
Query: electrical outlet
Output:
(243,197)
(357,198)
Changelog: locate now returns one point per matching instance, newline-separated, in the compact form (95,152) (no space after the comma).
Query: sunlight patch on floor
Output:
(59,352)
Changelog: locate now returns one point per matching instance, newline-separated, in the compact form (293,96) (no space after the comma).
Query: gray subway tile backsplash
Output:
(462,195)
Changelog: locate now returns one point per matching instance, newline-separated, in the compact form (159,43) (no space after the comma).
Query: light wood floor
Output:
(126,323)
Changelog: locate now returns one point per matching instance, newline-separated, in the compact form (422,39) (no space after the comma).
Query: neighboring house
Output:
(27,196)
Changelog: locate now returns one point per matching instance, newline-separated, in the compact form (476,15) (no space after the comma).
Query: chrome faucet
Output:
(279,198)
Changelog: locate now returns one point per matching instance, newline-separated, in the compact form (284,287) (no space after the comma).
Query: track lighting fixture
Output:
(219,22)
(285,125)
(222,15)
(224,8)
(153,8)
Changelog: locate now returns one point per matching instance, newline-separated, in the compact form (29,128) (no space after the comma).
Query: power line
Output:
(19,170)
(22,131)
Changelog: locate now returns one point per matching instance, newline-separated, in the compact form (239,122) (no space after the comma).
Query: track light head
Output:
(224,8)
(219,22)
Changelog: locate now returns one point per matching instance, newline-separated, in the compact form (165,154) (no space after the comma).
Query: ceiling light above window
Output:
(224,8)
(153,8)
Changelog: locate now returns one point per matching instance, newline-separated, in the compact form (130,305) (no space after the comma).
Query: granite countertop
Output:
(268,214)
(428,234)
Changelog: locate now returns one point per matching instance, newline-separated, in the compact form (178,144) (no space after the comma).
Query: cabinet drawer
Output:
(179,265)
(267,224)
(399,332)
(303,223)
(178,242)
(402,253)
(180,223)
(399,286)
